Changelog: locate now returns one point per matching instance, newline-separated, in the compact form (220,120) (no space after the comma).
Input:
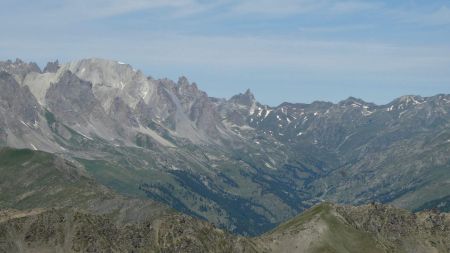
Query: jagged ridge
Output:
(235,162)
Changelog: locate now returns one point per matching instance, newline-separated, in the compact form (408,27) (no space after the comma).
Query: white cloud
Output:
(440,16)
(289,7)
(336,28)
(281,7)
(243,53)
(106,8)
(354,6)
(69,11)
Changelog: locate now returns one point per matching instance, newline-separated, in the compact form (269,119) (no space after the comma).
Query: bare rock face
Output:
(19,69)
(197,105)
(19,112)
(52,67)
(111,79)
(18,100)
(239,107)
(72,99)
(246,99)
(121,112)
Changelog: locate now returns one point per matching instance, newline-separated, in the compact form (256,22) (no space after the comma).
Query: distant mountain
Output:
(50,204)
(237,163)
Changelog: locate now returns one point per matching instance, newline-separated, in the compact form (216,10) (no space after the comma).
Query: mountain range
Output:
(239,164)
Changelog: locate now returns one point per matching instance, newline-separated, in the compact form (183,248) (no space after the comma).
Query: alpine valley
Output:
(98,157)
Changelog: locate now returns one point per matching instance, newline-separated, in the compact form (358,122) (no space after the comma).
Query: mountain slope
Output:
(371,228)
(49,204)
(69,230)
(238,163)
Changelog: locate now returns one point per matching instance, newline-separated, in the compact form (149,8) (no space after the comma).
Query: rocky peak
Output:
(19,69)
(102,71)
(189,93)
(183,81)
(247,99)
(440,99)
(409,100)
(183,86)
(353,102)
(52,67)
(113,79)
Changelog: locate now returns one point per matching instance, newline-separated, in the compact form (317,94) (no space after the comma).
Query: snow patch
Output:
(267,113)
(175,168)
(121,63)
(144,93)
(416,102)
(269,166)
(367,113)
(25,124)
(401,114)
(155,136)
(252,108)
(87,137)
(260,112)
(300,134)
(34,147)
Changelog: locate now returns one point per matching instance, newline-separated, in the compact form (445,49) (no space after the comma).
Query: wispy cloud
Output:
(343,7)
(317,56)
(312,40)
(336,28)
(289,7)
(271,7)
(439,16)
(107,8)
(65,11)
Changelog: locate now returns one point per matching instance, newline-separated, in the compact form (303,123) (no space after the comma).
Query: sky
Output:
(283,50)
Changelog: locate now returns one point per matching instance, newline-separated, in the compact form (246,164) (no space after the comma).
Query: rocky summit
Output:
(239,164)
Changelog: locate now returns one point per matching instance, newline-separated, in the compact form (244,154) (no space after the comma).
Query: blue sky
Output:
(283,50)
